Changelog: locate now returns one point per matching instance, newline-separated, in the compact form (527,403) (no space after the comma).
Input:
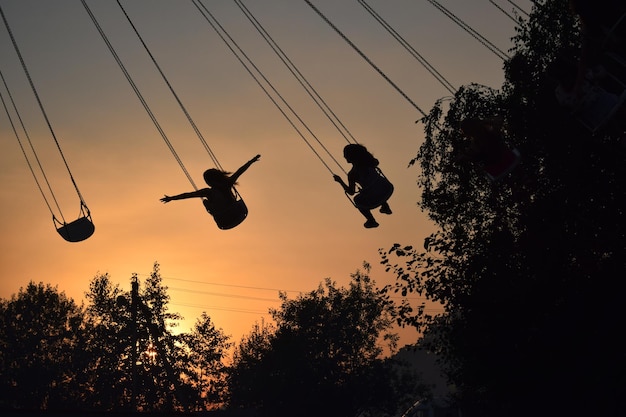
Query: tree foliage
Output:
(206,349)
(111,338)
(146,366)
(127,373)
(527,268)
(323,355)
(248,376)
(41,338)
(117,353)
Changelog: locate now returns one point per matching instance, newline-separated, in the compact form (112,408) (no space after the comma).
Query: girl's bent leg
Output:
(371,221)
(384,208)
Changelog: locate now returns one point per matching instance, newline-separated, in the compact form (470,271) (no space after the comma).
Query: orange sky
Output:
(301,228)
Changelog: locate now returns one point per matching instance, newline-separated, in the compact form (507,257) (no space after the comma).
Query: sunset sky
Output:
(301,228)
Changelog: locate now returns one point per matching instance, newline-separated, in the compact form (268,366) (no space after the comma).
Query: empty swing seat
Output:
(78,230)
(507,161)
(601,112)
(601,105)
(227,215)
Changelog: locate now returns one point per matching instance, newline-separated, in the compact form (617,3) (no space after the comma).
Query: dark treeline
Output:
(118,353)
(530,267)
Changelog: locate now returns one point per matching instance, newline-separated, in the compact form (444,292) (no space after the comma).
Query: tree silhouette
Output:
(139,364)
(110,340)
(528,268)
(206,348)
(323,356)
(116,354)
(248,376)
(41,360)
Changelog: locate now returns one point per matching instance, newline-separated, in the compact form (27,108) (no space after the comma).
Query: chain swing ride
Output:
(83,228)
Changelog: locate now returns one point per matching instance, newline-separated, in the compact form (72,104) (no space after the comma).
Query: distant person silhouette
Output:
(375,189)
(486,141)
(487,147)
(593,104)
(220,197)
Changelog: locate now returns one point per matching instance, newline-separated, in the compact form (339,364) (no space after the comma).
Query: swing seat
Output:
(229,215)
(603,106)
(508,160)
(599,116)
(616,34)
(78,230)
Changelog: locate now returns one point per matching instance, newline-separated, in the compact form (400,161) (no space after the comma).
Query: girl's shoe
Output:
(370,224)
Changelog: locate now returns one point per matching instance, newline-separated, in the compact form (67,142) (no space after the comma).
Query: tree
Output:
(117,354)
(323,356)
(247,377)
(138,363)
(41,339)
(527,268)
(110,342)
(206,348)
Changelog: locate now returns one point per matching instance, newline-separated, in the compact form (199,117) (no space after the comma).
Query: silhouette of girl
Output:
(375,189)
(220,195)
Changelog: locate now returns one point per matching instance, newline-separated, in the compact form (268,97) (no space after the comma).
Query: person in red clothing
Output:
(487,147)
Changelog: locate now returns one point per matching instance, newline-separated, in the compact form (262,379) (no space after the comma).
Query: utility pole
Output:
(134,300)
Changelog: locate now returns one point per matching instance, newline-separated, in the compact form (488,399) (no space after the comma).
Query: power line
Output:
(226,285)
(245,297)
(250,287)
(262,312)
(217,308)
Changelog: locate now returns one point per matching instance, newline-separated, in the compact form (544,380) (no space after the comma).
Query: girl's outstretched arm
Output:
(243,168)
(192,194)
